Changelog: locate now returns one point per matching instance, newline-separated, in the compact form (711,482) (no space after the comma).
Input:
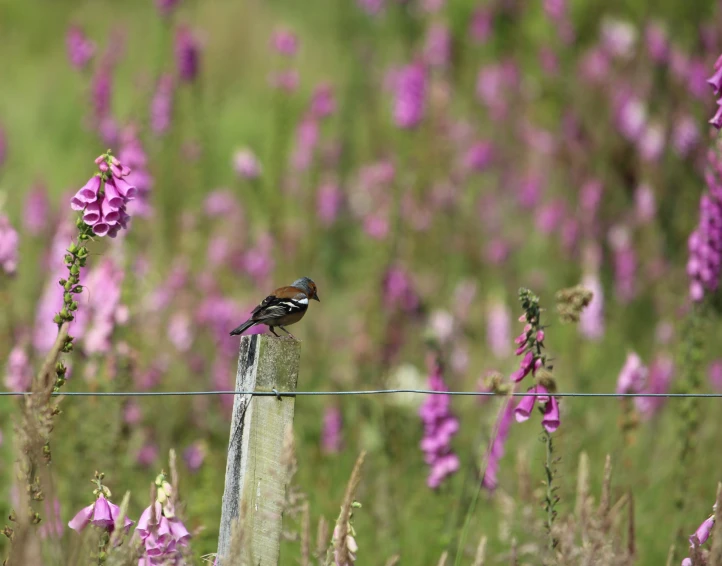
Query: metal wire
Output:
(362,392)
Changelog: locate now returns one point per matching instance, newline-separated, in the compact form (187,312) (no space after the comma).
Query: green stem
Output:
(550,499)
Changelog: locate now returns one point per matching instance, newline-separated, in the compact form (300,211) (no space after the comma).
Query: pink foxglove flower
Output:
(102,91)
(440,425)
(705,242)
(101,514)
(410,96)
(328,203)
(715,81)
(399,290)
(36,210)
(523,410)
(161,107)
(655,37)
(659,379)
(633,375)
(134,157)
(80,48)
(103,198)
(497,445)
(187,54)
(437,48)
(246,164)
(161,533)
(18,373)
(591,319)
(166,7)
(480,27)
(498,329)
(284,42)
(195,455)
(331,433)
(323,103)
(9,241)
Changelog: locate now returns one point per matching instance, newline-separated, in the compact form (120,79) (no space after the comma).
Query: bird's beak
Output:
(316,298)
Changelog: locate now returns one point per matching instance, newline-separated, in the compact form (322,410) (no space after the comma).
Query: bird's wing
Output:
(284,301)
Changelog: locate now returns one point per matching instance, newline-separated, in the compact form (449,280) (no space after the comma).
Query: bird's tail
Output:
(242,328)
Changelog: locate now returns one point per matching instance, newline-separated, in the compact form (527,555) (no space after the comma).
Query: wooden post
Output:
(255,486)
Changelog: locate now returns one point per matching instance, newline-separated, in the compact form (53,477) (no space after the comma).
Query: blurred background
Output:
(420,160)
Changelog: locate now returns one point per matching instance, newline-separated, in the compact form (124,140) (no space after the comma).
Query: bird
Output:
(283,307)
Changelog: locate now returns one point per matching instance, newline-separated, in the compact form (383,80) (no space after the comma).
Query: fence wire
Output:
(275,393)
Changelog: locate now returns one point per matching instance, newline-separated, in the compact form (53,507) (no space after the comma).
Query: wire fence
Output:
(275,393)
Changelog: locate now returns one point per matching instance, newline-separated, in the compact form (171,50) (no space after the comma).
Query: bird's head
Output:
(308,286)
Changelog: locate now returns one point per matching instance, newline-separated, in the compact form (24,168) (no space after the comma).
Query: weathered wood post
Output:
(255,482)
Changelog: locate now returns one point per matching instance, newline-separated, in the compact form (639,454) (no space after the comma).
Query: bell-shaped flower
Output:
(101,514)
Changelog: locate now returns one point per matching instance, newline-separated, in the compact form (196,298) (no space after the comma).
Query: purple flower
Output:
(714,374)
(645,204)
(685,135)
(133,155)
(101,514)
(286,81)
(496,447)
(166,7)
(399,291)
(102,90)
(246,164)
(161,535)
(53,524)
(187,54)
(715,81)
(328,203)
(19,373)
(705,242)
(633,375)
(161,107)
(307,133)
(655,37)
(331,434)
(480,27)
(591,320)
(37,208)
(437,48)
(618,37)
(660,374)
(195,455)
(440,425)
(80,48)
(625,263)
(498,329)
(525,366)
(9,241)
(103,198)
(285,42)
(651,142)
(147,455)
(222,203)
(479,156)
(631,116)
(550,420)
(51,301)
(410,96)
(97,318)
(526,404)
(323,103)
(702,533)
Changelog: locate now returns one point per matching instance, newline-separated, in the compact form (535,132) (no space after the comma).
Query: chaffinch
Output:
(283,307)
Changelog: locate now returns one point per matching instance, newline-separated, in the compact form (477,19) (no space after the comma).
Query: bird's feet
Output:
(287,332)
